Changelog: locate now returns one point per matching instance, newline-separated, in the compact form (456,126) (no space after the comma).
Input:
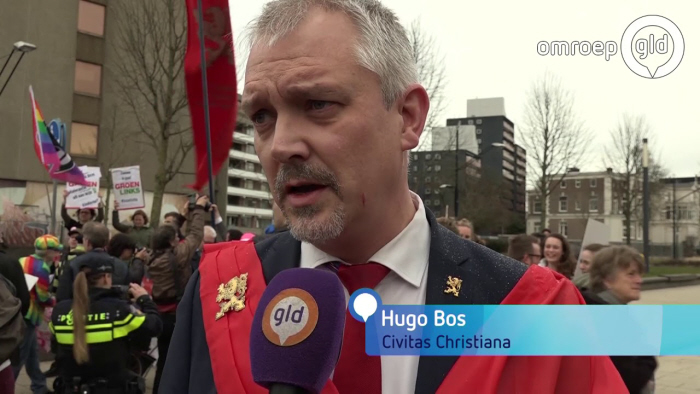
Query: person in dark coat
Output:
(95,239)
(616,279)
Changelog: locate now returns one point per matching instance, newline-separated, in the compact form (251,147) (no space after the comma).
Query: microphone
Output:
(297,331)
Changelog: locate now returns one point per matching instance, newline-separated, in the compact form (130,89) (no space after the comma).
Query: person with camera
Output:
(169,269)
(95,329)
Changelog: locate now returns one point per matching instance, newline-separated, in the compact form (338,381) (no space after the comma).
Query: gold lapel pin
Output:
(454,285)
(231,295)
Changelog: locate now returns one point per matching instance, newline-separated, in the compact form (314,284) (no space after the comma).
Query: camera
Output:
(123,291)
(193,203)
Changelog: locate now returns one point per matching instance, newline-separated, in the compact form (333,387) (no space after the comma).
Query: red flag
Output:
(221,82)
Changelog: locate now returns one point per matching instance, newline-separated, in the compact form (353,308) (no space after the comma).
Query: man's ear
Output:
(413,107)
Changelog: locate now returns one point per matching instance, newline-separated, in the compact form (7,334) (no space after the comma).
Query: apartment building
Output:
(679,195)
(598,196)
(578,197)
(501,158)
(249,202)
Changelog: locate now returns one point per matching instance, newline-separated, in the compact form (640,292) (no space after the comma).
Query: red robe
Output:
(228,338)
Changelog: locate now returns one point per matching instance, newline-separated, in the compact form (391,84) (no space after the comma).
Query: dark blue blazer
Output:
(487,278)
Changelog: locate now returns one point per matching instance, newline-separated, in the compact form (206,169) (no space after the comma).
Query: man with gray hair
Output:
(332,91)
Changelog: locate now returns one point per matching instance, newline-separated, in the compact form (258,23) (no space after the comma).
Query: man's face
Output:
(327,143)
(535,256)
(171,221)
(465,232)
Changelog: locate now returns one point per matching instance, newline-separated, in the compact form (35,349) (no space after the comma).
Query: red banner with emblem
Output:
(221,83)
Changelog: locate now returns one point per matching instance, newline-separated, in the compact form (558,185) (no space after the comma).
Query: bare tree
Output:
(553,136)
(625,156)
(150,50)
(114,157)
(431,73)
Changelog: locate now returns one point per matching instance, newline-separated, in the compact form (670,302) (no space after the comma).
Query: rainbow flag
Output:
(55,159)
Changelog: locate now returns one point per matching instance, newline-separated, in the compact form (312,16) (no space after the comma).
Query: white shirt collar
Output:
(406,255)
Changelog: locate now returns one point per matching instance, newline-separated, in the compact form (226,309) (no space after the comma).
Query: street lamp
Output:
(21,47)
(447,207)
(645,202)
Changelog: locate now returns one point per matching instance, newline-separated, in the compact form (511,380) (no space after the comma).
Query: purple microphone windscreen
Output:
(297,331)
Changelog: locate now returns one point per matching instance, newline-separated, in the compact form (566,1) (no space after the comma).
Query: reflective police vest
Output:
(108,321)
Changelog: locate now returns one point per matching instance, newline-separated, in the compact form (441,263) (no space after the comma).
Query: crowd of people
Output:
(130,280)
(605,275)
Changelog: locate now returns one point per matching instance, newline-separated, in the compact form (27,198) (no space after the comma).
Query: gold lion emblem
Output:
(231,295)
(454,285)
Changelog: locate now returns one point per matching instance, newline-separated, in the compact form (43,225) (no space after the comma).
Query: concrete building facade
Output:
(73,72)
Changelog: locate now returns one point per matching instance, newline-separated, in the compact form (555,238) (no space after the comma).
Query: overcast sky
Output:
(490,50)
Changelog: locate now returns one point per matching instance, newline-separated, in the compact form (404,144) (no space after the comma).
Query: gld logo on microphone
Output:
(290,317)
(652,47)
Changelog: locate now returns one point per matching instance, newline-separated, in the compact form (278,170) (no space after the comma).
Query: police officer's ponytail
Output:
(81,304)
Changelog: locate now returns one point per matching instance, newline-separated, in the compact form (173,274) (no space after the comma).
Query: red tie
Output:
(357,372)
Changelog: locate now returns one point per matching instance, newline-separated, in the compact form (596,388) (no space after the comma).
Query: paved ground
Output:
(675,375)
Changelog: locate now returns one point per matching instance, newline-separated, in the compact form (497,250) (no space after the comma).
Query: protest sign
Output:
(128,190)
(596,233)
(85,197)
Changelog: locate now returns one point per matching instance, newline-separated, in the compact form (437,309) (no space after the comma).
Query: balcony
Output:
(236,173)
(234,154)
(239,191)
(259,212)
(508,136)
(242,137)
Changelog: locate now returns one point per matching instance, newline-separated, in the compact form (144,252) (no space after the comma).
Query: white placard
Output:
(85,197)
(128,189)
(596,233)
(31,281)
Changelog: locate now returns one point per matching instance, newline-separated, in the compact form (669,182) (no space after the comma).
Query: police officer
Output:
(95,329)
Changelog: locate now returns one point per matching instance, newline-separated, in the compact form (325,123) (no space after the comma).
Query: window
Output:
(593,193)
(578,183)
(250,149)
(562,184)
(88,78)
(428,156)
(438,156)
(478,121)
(577,205)
(478,131)
(470,121)
(437,168)
(538,227)
(430,168)
(436,203)
(563,228)
(415,179)
(593,204)
(427,190)
(265,187)
(249,184)
(414,156)
(415,168)
(563,204)
(478,141)
(83,140)
(537,207)
(91,18)
(250,166)
(427,179)
(594,183)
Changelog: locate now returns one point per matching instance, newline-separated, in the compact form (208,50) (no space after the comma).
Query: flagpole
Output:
(205,91)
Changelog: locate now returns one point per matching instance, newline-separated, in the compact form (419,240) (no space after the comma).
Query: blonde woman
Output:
(95,328)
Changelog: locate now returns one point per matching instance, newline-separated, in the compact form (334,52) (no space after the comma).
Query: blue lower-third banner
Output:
(527,330)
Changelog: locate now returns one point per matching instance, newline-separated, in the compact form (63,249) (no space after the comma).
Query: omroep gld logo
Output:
(652,47)
(290,317)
